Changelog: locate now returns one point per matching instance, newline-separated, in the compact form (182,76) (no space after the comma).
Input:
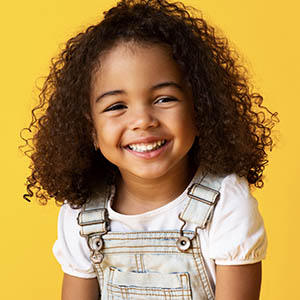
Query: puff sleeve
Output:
(70,249)
(237,234)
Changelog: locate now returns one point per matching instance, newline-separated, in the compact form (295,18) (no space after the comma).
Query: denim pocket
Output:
(154,286)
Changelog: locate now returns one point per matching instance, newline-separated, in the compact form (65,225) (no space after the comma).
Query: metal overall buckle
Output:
(184,243)
(94,239)
(95,243)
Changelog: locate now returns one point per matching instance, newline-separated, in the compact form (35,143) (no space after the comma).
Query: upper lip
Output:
(145,140)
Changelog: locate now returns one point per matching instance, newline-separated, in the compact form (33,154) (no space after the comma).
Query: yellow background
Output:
(266,33)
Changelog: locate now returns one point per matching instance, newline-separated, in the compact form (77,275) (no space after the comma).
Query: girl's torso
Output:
(138,247)
(152,264)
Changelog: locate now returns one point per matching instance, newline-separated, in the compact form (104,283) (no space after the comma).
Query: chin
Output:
(158,174)
(149,174)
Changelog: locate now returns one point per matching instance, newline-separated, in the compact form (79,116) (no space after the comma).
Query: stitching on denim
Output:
(136,262)
(143,246)
(148,247)
(196,263)
(142,251)
(181,281)
(98,270)
(145,235)
(142,232)
(155,248)
(111,274)
(143,263)
(207,286)
(153,289)
(100,276)
(144,238)
(122,292)
(139,263)
(126,293)
(181,275)
(148,291)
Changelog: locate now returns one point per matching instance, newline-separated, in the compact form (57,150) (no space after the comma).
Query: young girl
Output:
(150,137)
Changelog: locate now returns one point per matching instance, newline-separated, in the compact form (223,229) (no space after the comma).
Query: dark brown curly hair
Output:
(234,128)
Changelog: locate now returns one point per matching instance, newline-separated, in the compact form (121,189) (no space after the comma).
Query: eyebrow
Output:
(155,87)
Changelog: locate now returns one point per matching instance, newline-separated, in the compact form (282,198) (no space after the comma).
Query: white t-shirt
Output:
(235,236)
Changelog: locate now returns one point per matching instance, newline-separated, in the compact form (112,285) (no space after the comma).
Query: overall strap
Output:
(203,197)
(94,223)
(94,218)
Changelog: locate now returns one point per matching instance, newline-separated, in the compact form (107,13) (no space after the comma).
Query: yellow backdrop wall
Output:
(264,32)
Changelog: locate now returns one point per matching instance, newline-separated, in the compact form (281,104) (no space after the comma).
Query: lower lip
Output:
(150,154)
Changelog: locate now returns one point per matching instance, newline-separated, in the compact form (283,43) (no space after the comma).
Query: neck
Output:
(139,195)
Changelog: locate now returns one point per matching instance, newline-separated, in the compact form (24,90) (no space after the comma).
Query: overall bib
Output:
(152,265)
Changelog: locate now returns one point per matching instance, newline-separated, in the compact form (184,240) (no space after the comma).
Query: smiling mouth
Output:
(147,147)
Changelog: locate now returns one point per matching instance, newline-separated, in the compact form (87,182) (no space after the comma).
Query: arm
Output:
(240,282)
(75,288)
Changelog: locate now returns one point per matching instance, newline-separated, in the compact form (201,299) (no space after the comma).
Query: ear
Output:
(94,137)
(94,134)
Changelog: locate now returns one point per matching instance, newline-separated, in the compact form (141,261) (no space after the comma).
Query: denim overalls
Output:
(151,265)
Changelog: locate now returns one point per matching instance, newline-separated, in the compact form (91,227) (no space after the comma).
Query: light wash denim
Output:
(151,265)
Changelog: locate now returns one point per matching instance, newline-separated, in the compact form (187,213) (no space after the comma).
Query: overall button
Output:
(183,243)
(95,243)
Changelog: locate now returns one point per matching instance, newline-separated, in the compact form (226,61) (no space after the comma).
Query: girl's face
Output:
(142,110)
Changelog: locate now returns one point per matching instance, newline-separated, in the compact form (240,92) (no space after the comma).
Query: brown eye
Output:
(115,107)
(165,100)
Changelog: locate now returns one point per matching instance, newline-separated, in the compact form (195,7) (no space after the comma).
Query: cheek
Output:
(191,122)
(186,133)
(187,128)
(108,133)
(187,121)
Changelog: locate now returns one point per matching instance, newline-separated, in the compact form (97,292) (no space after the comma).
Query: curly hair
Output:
(234,129)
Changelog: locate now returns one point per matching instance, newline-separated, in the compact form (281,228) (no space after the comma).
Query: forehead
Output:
(135,50)
(132,63)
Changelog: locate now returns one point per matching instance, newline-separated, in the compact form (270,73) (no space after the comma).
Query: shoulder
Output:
(67,220)
(234,182)
(236,233)
(70,249)
(66,212)
(235,195)
(234,191)
(236,205)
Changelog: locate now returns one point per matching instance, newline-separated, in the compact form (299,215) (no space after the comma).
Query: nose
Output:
(143,118)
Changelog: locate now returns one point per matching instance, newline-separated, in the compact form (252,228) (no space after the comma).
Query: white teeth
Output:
(147,147)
